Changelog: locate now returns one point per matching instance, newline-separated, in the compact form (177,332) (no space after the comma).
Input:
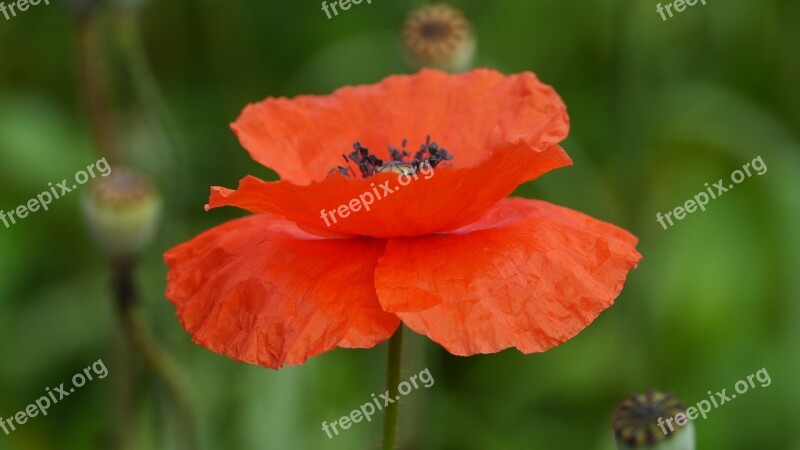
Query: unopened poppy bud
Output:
(648,421)
(439,36)
(122,212)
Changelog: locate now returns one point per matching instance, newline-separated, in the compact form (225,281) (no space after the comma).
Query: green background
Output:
(657,109)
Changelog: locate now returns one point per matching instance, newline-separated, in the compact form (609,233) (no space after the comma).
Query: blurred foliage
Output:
(657,109)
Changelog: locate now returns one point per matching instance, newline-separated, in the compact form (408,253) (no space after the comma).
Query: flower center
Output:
(429,154)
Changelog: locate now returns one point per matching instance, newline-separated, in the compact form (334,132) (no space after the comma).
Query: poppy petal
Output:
(260,290)
(471,114)
(441,199)
(529,275)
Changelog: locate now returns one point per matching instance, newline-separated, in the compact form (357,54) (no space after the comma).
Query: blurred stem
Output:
(148,91)
(155,356)
(123,379)
(95,91)
(392,382)
(93,75)
(632,95)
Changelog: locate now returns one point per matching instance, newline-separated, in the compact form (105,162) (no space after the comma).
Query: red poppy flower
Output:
(446,254)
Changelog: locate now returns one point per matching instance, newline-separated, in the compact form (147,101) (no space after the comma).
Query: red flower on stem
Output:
(449,255)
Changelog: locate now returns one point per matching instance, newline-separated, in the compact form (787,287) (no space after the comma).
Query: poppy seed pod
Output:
(439,36)
(647,421)
(121,212)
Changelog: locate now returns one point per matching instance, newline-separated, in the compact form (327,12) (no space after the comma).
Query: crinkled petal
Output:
(471,114)
(441,199)
(260,290)
(529,275)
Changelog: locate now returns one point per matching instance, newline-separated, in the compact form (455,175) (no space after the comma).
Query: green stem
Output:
(124,392)
(155,356)
(392,381)
(146,85)
(95,87)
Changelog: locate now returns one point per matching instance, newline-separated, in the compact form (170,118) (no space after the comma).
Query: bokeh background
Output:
(657,108)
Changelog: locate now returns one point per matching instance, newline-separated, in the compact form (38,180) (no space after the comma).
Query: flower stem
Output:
(95,87)
(392,381)
(160,362)
(146,85)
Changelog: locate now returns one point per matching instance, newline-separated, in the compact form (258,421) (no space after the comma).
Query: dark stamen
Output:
(368,164)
